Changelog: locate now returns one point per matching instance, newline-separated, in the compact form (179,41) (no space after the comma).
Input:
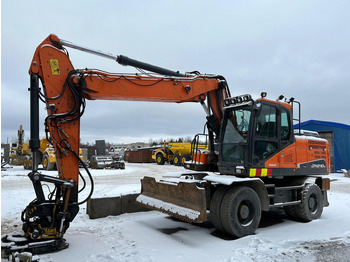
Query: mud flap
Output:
(183,200)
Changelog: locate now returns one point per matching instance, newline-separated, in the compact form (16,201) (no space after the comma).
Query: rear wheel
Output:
(26,162)
(160,159)
(185,158)
(46,163)
(215,206)
(290,212)
(240,211)
(177,160)
(311,206)
(30,163)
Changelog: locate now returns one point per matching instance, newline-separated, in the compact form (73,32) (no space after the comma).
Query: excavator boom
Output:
(65,90)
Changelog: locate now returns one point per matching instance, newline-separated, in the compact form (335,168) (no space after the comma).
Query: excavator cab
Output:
(252,132)
(257,139)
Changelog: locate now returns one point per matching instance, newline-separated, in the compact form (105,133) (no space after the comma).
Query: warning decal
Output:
(260,172)
(55,67)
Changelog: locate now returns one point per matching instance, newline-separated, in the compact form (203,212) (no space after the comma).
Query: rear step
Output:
(183,200)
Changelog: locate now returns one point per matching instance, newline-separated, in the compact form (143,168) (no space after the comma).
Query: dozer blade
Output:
(17,160)
(182,200)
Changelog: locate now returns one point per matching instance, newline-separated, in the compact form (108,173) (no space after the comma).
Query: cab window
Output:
(285,127)
(235,135)
(266,133)
(267,122)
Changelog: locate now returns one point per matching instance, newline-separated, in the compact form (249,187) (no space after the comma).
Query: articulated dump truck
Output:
(261,163)
(176,153)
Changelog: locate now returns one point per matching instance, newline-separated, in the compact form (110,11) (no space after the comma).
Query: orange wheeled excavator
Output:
(257,160)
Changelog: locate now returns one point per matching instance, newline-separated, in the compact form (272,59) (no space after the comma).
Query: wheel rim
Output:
(245,213)
(312,203)
(45,163)
(159,159)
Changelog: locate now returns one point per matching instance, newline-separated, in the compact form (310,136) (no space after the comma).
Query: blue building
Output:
(338,136)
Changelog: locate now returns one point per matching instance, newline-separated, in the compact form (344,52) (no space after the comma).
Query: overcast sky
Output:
(295,48)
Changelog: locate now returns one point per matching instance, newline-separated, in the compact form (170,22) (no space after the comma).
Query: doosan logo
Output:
(318,166)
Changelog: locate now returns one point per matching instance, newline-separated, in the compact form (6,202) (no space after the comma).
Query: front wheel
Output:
(215,207)
(311,206)
(160,159)
(240,211)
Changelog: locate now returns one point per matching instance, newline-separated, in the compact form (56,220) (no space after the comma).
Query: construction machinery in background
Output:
(46,156)
(261,163)
(102,158)
(174,153)
(16,154)
(105,161)
(22,155)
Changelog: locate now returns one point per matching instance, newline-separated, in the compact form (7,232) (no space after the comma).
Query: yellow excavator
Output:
(17,155)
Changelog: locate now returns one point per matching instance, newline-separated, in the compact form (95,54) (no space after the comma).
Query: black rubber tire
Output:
(46,163)
(215,207)
(177,160)
(311,206)
(240,211)
(30,163)
(290,212)
(26,162)
(160,159)
(185,158)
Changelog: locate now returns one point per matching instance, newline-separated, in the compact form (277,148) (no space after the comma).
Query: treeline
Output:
(151,142)
(171,140)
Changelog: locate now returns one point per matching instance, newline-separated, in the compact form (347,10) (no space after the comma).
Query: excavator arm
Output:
(64,91)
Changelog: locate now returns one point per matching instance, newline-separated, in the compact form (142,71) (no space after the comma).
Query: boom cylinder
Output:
(34,142)
(123,60)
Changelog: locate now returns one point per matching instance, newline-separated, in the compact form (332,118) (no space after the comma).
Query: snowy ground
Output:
(153,236)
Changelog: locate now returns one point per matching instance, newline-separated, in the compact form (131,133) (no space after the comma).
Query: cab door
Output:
(265,141)
(287,154)
(272,137)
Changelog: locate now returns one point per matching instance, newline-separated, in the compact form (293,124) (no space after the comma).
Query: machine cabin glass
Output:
(235,134)
(266,143)
(253,133)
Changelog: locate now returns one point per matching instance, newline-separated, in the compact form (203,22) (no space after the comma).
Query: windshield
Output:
(235,128)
